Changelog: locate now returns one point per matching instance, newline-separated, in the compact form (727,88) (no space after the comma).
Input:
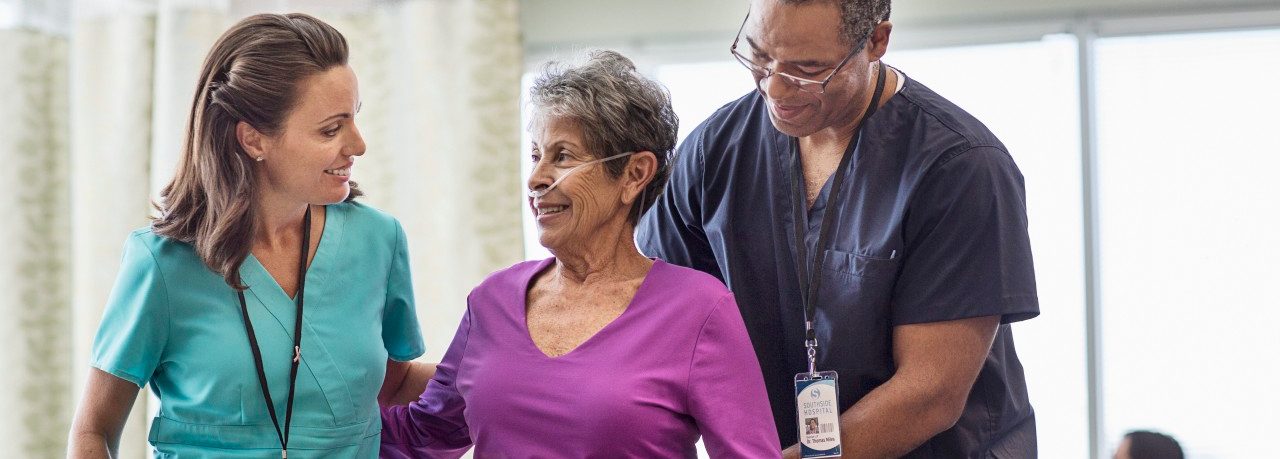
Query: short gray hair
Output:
(858,18)
(618,110)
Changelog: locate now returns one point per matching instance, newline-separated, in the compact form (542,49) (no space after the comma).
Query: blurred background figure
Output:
(1144,444)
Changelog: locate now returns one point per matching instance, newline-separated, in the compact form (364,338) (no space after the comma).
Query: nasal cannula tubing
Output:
(538,193)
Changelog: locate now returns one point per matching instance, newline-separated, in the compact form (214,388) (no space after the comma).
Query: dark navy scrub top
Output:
(930,226)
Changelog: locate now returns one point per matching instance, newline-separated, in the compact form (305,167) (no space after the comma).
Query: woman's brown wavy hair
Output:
(251,75)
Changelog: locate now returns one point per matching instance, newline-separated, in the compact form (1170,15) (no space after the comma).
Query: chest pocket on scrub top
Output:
(853,317)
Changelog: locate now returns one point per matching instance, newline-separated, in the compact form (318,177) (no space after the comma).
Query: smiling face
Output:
(586,203)
(804,41)
(310,159)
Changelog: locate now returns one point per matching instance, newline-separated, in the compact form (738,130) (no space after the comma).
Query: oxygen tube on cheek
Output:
(543,191)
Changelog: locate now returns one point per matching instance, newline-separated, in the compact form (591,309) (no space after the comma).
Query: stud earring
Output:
(260,158)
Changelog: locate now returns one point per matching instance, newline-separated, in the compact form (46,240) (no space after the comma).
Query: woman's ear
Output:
(252,142)
(641,168)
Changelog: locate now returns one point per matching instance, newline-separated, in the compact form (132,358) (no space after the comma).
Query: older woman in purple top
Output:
(599,351)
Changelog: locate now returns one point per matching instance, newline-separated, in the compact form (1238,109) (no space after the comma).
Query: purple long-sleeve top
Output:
(675,365)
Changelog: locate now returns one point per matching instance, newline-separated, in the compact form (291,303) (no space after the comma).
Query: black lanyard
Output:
(809,283)
(297,342)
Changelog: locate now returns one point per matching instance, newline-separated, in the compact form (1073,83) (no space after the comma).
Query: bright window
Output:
(8,13)
(1190,203)
(1026,93)
(699,89)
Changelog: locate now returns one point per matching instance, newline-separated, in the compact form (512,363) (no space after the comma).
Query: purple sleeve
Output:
(434,425)
(726,390)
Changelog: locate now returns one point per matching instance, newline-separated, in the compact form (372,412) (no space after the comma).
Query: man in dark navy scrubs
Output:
(926,259)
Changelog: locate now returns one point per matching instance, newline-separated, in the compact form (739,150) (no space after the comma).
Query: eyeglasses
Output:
(761,73)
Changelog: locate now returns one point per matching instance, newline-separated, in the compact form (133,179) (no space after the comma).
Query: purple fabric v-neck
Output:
(676,364)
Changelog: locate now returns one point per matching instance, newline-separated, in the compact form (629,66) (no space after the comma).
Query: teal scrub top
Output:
(175,324)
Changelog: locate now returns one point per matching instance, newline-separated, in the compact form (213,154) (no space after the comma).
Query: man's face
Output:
(804,41)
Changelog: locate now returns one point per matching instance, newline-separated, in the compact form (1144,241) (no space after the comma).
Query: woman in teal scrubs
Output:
(261,279)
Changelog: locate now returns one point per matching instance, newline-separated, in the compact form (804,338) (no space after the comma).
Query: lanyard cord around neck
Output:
(809,283)
(297,343)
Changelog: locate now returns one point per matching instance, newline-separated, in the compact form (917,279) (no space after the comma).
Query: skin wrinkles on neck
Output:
(597,269)
(609,255)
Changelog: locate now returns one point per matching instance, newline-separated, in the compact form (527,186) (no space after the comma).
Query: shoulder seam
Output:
(164,285)
(394,250)
(943,160)
(700,151)
(968,142)
(688,385)
(466,316)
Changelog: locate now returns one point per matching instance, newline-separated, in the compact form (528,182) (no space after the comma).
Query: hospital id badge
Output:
(818,414)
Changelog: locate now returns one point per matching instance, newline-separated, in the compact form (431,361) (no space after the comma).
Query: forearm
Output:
(91,445)
(415,382)
(405,382)
(101,416)
(937,365)
(892,420)
(896,418)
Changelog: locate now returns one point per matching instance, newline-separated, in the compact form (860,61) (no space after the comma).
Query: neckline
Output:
(265,287)
(902,81)
(527,283)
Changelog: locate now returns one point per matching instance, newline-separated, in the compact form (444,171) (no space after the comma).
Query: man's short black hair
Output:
(857,17)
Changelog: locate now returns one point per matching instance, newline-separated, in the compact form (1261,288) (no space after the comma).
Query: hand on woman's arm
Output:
(405,382)
(100,418)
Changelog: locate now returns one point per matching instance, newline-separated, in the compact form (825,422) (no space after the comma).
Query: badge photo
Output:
(818,414)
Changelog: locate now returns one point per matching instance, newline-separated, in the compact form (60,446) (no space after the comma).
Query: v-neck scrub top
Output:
(677,363)
(173,323)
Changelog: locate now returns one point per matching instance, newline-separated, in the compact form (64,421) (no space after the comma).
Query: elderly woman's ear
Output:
(640,170)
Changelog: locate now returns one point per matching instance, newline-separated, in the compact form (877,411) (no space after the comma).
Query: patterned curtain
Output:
(34,267)
(439,80)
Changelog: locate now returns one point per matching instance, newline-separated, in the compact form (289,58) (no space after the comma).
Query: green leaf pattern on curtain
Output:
(440,84)
(34,146)
(496,49)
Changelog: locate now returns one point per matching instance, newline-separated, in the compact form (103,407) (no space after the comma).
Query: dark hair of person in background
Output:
(1145,444)
(250,75)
